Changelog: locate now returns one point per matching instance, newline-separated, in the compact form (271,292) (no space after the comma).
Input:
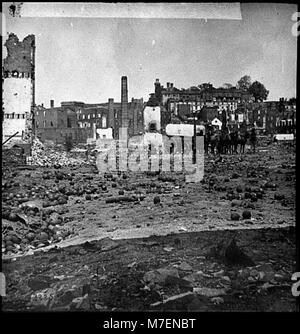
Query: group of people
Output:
(225,142)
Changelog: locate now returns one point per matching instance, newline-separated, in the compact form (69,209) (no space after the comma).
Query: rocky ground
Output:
(77,240)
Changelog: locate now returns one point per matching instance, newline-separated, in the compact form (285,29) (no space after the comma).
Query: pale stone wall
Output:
(152,114)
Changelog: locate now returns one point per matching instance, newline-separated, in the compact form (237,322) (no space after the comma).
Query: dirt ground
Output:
(167,246)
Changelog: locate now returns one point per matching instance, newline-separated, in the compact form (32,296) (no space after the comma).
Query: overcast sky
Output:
(83,59)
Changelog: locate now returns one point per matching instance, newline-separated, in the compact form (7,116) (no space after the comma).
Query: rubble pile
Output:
(13,156)
(164,269)
(47,157)
(31,228)
(157,275)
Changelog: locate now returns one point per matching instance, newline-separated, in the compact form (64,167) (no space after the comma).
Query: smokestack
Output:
(124,102)
(111,114)
(51,103)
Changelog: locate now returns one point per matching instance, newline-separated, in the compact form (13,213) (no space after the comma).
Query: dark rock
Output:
(246,214)
(239,189)
(163,276)
(270,185)
(278,196)
(156,200)
(234,255)
(40,282)
(253,197)
(259,195)
(86,289)
(235,216)
(177,241)
(66,298)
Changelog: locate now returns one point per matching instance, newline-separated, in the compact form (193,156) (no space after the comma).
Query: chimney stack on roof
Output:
(51,103)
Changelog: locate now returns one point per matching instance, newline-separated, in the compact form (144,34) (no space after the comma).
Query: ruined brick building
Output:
(76,120)
(57,124)
(80,121)
(18,86)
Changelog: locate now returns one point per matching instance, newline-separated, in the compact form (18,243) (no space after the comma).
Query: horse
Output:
(222,143)
(226,143)
(233,142)
(242,140)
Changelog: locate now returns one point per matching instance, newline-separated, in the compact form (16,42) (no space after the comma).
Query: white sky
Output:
(83,59)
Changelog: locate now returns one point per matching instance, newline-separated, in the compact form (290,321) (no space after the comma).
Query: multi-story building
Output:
(272,116)
(88,116)
(286,122)
(204,101)
(208,103)
(59,123)
(134,113)
(200,96)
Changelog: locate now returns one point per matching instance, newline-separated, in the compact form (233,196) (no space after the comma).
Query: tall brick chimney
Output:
(51,103)
(124,103)
(111,113)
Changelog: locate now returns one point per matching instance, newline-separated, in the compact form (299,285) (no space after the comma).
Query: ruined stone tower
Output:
(18,77)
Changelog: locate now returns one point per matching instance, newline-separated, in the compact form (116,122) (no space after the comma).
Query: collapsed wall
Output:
(46,156)
(18,89)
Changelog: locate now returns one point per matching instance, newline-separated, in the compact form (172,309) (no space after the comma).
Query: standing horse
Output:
(234,141)
(227,143)
(242,141)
